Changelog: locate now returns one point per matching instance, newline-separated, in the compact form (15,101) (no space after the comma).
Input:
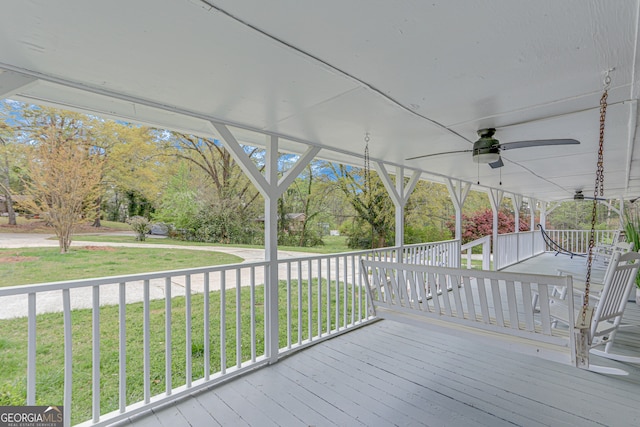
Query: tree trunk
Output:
(10,210)
(96,221)
(7,193)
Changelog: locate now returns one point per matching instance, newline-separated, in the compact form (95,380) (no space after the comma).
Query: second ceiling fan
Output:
(487,149)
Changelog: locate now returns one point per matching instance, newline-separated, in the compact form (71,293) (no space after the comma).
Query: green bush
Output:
(141,226)
(222,224)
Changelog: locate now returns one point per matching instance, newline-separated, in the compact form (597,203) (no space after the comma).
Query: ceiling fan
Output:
(578,195)
(487,149)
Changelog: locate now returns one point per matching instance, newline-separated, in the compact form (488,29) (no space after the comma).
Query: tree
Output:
(179,204)
(133,167)
(480,224)
(64,175)
(227,211)
(307,196)
(427,213)
(372,204)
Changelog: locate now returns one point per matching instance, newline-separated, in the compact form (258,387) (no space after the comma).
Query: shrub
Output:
(141,226)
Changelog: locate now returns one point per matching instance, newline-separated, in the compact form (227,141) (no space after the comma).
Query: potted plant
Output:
(632,234)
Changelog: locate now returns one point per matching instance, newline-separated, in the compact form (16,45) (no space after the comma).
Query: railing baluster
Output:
(253,313)
(288,305)
(95,365)
(223,322)
(167,336)
(337,288)
(188,337)
(299,265)
(207,328)
(122,348)
(310,299)
(31,350)
(238,320)
(146,343)
(360,284)
(328,295)
(345,299)
(68,356)
(353,289)
(265,297)
(319,297)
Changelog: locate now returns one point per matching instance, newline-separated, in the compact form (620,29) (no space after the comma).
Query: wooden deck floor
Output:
(389,373)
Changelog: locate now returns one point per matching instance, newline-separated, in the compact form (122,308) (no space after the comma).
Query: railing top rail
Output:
(475,242)
(546,279)
(514,233)
(315,257)
(70,284)
(568,230)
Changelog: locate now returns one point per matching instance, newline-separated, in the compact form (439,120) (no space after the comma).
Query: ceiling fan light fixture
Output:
(486,149)
(488,157)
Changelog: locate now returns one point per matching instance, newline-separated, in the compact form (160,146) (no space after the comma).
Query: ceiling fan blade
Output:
(439,154)
(537,143)
(497,164)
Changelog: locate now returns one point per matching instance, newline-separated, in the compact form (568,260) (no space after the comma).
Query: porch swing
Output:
(514,310)
(596,326)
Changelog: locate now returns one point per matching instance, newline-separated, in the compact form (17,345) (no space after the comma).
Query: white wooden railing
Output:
(512,248)
(181,331)
(485,244)
(443,254)
(577,241)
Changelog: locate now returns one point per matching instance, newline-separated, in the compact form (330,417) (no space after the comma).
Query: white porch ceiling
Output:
(419,77)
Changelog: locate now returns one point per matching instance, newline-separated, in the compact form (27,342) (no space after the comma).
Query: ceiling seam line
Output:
(334,68)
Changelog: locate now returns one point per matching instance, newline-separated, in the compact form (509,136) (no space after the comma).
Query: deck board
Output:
(390,373)
(394,374)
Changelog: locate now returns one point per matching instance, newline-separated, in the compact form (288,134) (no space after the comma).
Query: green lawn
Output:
(39,265)
(50,357)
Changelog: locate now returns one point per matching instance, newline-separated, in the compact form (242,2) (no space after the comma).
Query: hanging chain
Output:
(367,166)
(598,190)
(367,185)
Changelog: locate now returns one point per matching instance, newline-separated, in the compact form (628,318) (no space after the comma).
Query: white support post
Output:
(544,212)
(532,222)
(271,189)
(621,213)
(399,195)
(458,191)
(532,213)
(271,249)
(495,198)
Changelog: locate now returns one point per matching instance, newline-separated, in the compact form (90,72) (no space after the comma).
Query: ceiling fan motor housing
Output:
(486,149)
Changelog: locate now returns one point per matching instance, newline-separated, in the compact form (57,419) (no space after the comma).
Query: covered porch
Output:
(403,90)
